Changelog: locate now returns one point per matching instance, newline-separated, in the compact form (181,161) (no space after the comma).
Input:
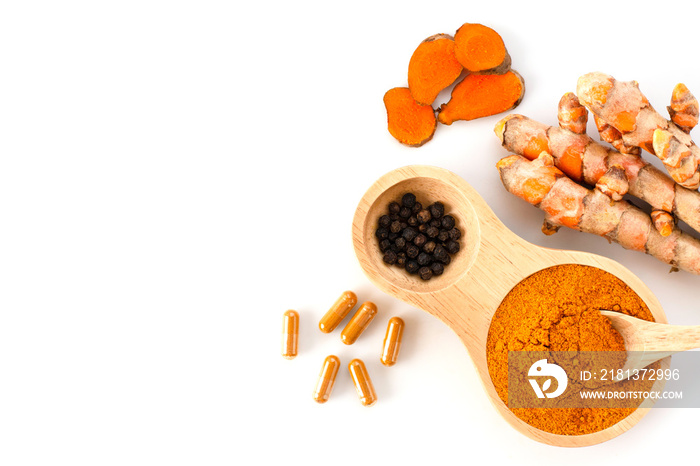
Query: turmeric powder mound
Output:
(411,123)
(481,49)
(432,68)
(557,309)
(481,95)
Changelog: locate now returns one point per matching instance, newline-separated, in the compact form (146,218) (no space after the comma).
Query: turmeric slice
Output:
(481,95)
(432,68)
(480,49)
(409,122)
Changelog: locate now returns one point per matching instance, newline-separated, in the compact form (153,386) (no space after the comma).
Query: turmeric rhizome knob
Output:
(326,379)
(337,312)
(358,323)
(290,334)
(392,341)
(363,384)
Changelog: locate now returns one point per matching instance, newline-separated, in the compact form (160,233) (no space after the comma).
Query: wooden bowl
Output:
(491,262)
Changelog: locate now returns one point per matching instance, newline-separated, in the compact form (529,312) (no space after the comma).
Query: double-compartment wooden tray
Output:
(491,262)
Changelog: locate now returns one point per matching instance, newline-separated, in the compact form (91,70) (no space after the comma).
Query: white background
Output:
(175,175)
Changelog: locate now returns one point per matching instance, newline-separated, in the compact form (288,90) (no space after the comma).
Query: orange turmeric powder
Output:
(556,309)
(411,123)
(432,68)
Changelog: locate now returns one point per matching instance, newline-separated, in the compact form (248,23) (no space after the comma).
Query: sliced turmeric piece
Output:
(480,49)
(409,122)
(481,95)
(432,68)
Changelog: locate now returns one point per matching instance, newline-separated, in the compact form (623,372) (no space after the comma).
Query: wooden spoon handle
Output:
(671,338)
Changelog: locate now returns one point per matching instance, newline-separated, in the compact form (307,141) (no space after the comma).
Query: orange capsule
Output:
(358,323)
(363,384)
(392,341)
(337,312)
(326,379)
(290,334)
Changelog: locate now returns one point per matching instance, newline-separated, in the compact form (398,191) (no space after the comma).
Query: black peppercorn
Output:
(394,208)
(452,247)
(424,216)
(381,233)
(412,251)
(408,200)
(409,233)
(437,209)
(412,266)
(384,221)
(390,257)
(401,259)
(440,253)
(418,239)
(400,243)
(447,222)
(424,259)
(425,273)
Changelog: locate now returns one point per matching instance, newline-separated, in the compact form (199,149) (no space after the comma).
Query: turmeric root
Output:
(480,49)
(432,68)
(584,160)
(481,95)
(409,122)
(572,115)
(684,108)
(566,203)
(623,106)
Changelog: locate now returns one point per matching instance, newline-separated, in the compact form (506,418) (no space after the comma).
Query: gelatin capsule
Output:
(337,312)
(363,384)
(326,379)
(358,323)
(290,334)
(392,341)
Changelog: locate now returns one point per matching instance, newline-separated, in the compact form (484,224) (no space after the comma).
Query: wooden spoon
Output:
(647,342)
(491,262)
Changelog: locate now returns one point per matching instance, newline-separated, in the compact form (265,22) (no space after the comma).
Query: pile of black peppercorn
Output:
(420,240)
